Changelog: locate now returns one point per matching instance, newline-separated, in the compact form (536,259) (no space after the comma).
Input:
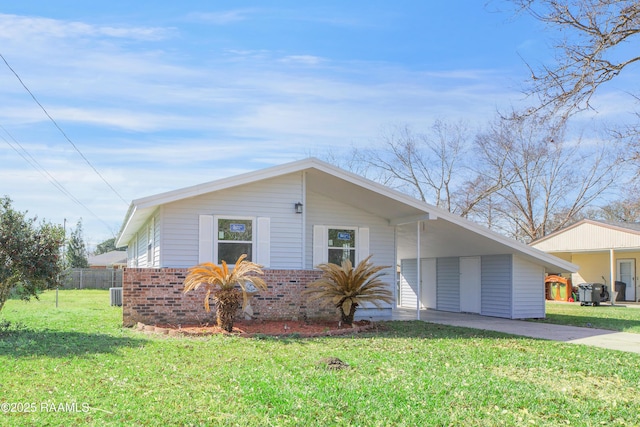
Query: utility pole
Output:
(64,242)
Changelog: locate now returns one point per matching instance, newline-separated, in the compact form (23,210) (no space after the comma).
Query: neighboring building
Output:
(111,259)
(605,252)
(292,217)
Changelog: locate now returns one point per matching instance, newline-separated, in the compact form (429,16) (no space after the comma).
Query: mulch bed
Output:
(253,328)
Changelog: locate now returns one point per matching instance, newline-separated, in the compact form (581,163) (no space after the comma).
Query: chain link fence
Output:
(89,278)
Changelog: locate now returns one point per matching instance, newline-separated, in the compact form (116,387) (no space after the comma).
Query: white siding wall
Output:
(273,198)
(131,253)
(589,237)
(157,254)
(137,255)
(497,279)
(528,289)
(448,284)
(429,290)
(408,283)
(322,210)
(137,252)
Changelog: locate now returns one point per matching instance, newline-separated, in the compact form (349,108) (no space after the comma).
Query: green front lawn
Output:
(412,373)
(616,318)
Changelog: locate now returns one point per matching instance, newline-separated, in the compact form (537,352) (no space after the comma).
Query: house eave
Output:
(397,207)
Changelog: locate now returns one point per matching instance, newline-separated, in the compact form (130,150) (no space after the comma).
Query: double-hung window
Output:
(225,237)
(341,245)
(334,244)
(233,236)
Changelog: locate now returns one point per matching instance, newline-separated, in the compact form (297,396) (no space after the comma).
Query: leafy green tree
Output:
(29,254)
(76,248)
(107,246)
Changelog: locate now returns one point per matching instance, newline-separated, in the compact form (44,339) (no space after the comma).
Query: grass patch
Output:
(616,318)
(411,373)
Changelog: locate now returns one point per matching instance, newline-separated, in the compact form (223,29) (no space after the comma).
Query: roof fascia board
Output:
(127,220)
(221,184)
(583,222)
(616,227)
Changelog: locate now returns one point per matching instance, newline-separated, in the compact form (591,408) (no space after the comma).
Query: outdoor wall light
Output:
(298,207)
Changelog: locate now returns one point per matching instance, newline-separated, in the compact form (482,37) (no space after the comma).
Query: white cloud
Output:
(303,59)
(37,28)
(222,18)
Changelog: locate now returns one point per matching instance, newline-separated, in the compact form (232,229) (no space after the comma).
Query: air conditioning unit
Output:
(116,296)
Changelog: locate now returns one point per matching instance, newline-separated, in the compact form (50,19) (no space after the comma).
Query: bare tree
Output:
(434,167)
(591,51)
(354,159)
(419,164)
(547,179)
(627,210)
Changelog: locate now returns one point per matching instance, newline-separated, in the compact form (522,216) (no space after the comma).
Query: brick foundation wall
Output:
(154,296)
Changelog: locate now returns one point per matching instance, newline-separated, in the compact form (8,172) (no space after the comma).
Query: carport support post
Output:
(418,273)
(612,287)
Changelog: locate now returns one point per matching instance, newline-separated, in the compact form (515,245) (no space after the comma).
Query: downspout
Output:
(418,272)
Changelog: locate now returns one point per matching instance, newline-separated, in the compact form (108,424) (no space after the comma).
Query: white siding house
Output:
(297,215)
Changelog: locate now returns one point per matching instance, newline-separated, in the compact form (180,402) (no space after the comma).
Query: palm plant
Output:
(346,288)
(220,283)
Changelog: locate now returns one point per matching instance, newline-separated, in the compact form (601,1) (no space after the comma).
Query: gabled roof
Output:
(109,258)
(460,236)
(590,235)
(321,177)
(630,226)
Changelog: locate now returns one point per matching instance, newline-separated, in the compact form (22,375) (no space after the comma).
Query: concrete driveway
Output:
(612,340)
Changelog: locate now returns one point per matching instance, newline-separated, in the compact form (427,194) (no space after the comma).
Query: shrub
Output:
(346,288)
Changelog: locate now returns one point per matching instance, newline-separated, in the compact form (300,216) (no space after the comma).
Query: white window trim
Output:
(321,242)
(215,234)
(355,240)
(151,243)
(134,252)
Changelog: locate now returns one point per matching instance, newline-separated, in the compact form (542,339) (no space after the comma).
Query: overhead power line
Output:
(63,132)
(44,172)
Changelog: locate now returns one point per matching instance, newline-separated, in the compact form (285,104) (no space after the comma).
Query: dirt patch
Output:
(252,328)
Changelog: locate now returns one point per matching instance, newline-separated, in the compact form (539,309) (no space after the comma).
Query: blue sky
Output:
(158,95)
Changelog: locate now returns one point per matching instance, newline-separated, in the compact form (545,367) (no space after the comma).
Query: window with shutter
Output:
(336,244)
(228,237)
(232,238)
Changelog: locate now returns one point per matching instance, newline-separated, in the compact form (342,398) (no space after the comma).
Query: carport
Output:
(467,268)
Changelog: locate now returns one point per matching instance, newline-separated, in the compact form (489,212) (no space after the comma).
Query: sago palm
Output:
(220,284)
(346,288)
